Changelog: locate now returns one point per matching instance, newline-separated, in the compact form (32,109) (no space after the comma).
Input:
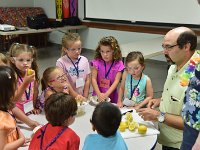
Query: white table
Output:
(150,47)
(83,127)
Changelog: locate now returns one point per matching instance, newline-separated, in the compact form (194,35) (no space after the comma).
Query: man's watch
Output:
(161,117)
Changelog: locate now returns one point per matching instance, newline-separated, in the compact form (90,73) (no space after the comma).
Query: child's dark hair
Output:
(68,39)
(3,58)
(8,86)
(113,43)
(106,119)
(45,77)
(135,55)
(16,49)
(59,107)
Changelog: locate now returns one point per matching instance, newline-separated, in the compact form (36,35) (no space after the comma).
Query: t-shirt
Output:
(81,65)
(139,93)
(8,123)
(27,95)
(117,66)
(68,140)
(98,142)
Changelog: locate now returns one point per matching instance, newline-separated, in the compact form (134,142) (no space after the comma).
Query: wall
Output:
(91,36)
(17,3)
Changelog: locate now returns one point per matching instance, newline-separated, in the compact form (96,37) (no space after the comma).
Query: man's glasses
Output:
(168,47)
(21,60)
(74,49)
(61,78)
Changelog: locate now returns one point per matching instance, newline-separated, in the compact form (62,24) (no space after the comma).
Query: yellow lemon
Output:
(142,129)
(129,117)
(122,128)
(132,126)
(123,124)
(30,72)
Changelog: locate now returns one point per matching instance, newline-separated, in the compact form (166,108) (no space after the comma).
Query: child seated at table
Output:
(60,110)
(105,120)
(55,80)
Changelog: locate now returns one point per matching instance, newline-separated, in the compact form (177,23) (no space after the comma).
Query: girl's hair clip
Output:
(8,75)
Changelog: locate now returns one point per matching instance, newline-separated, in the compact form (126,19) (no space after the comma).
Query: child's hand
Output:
(80,98)
(36,111)
(102,97)
(119,104)
(29,77)
(33,124)
(21,136)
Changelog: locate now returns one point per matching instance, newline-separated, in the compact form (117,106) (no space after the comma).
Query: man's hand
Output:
(153,103)
(148,114)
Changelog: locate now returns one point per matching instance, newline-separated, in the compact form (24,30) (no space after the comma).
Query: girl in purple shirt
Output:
(107,68)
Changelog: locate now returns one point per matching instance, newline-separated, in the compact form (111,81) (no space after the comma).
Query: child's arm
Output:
(13,145)
(22,117)
(75,94)
(20,91)
(87,86)
(114,85)
(149,94)
(95,86)
(35,96)
(121,90)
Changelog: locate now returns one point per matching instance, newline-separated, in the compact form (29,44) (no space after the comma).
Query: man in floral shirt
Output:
(191,113)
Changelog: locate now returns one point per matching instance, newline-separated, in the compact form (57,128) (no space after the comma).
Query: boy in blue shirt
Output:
(105,120)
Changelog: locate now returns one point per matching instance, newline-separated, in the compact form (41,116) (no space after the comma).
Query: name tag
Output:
(104,83)
(80,82)
(28,107)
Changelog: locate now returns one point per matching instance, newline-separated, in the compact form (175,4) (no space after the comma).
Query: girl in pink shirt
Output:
(23,57)
(107,68)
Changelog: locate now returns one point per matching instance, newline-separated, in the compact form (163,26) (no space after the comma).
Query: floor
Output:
(156,70)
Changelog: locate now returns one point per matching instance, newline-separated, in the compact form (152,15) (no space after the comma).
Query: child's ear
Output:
(12,60)
(93,127)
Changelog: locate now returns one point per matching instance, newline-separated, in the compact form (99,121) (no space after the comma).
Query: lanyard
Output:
(29,89)
(54,139)
(12,115)
(133,89)
(106,74)
(76,67)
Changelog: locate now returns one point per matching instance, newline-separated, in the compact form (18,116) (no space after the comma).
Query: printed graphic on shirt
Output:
(72,71)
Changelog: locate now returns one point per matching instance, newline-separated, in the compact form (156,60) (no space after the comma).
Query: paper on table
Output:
(151,129)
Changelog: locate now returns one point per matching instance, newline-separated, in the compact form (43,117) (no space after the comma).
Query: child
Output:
(55,80)
(105,120)
(136,87)
(76,66)
(16,111)
(23,57)
(10,136)
(3,60)
(107,68)
(60,110)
